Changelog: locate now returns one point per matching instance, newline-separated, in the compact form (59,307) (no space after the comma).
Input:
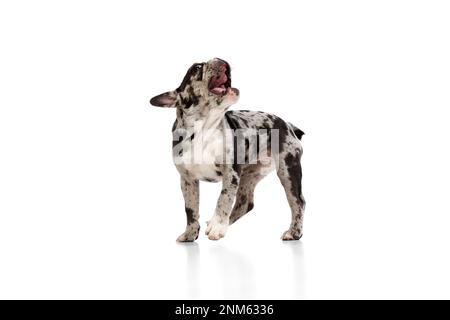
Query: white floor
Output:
(124,247)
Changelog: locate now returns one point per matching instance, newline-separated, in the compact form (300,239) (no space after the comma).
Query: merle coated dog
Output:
(213,144)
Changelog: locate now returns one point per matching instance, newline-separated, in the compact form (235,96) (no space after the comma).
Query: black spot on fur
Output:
(185,82)
(241,201)
(192,71)
(234,124)
(176,142)
(250,206)
(199,67)
(298,133)
(192,136)
(190,100)
(174,126)
(266,124)
(247,146)
(295,175)
(232,121)
(234,181)
(187,103)
(189,215)
(179,113)
(193,96)
(219,173)
(282,131)
(237,168)
(257,144)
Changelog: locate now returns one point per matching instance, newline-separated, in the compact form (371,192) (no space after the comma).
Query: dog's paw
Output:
(217,228)
(191,234)
(187,237)
(291,235)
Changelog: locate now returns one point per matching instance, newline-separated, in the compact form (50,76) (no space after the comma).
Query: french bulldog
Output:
(238,148)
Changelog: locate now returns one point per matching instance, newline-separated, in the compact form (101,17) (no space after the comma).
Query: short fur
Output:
(204,124)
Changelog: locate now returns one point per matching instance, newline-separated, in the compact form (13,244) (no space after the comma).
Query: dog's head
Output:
(206,84)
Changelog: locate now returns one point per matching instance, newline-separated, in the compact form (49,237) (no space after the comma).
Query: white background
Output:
(90,204)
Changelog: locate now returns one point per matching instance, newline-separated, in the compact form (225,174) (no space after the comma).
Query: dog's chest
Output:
(199,155)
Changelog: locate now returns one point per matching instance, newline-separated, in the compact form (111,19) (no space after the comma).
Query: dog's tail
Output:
(298,133)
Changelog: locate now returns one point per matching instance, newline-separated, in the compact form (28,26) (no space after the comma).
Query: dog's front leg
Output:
(190,189)
(217,226)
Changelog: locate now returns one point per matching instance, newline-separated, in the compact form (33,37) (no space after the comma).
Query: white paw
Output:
(217,228)
(291,235)
(191,234)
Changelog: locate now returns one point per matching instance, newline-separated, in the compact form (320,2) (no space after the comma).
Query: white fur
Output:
(217,228)
(206,149)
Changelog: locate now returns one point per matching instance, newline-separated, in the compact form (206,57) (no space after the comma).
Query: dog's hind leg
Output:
(244,198)
(190,189)
(290,174)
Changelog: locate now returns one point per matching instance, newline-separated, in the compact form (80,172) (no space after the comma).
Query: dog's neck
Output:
(200,118)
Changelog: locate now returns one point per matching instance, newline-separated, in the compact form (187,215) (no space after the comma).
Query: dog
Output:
(204,127)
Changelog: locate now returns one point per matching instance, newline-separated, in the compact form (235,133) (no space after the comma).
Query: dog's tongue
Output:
(218,83)
(218,90)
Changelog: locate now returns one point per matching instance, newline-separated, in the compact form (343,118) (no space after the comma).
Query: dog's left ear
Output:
(166,99)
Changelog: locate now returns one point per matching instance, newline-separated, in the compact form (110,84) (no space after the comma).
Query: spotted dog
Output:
(222,150)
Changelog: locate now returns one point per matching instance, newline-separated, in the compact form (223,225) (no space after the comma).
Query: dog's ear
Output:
(166,99)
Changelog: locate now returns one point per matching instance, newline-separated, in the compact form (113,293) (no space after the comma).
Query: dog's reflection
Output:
(192,269)
(235,271)
(231,274)
(231,271)
(298,271)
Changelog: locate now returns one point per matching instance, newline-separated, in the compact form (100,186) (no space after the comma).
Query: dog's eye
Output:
(198,70)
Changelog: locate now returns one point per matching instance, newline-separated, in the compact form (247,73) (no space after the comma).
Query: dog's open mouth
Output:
(220,83)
